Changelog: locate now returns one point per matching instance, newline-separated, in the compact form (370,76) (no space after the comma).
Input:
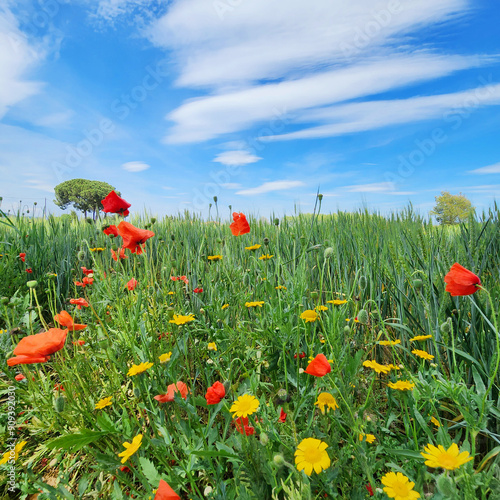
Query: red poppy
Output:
(319,366)
(165,492)
(79,303)
(58,387)
(124,468)
(86,271)
(179,387)
(301,355)
(22,256)
(133,237)
(369,489)
(120,256)
(108,230)
(215,393)
(86,281)
(79,342)
(282,417)
(65,319)
(132,284)
(180,278)
(198,290)
(38,348)
(461,281)
(240,225)
(19,377)
(241,424)
(29,270)
(115,205)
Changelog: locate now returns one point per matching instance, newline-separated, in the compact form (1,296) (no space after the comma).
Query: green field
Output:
(386,275)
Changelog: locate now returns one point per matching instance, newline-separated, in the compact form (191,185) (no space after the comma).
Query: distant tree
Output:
(83,194)
(452,208)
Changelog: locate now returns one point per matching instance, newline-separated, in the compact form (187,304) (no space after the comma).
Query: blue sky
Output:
(257,102)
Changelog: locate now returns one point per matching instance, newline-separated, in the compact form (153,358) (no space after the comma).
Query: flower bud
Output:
(215,199)
(363,316)
(266,241)
(363,282)
(320,196)
(81,255)
(32,284)
(418,284)
(314,295)
(264,439)
(276,222)
(328,253)
(347,329)
(446,326)
(153,220)
(279,459)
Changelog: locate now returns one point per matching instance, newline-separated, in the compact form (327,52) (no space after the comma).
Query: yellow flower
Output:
(253,247)
(225,306)
(336,302)
(266,256)
(171,293)
(389,342)
(422,354)
(103,403)
(136,369)
(421,337)
(280,287)
(326,399)
(182,320)
(311,455)
(165,357)
(393,367)
(214,257)
(377,367)
(309,316)
(254,304)
(245,405)
(131,448)
(449,459)
(212,346)
(14,454)
(369,438)
(435,421)
(398,486)
(97,250)
(402,385)
(321,308)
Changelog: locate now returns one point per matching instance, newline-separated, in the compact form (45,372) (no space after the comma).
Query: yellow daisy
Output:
(212,346)
(182,320)
(225,306)
(214,257)
(245,405)
(326,399)
(449,459)
(398,486)
(131,448)
(309,316)
(376,366)
(369,438)
(254,304)
(136,369)
(402,385)
(336,302)
(311,455)
(165,357)
(266,257)
(389,342)
(103,403)
(14,454)
(422,354)
(253,247)
(420,337)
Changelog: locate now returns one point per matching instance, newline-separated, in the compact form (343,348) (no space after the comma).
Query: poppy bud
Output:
(314,295)
(347,330)
(320,196)
(114,248)
(276,222)
(153,220)
(328,253)
(363,317)
(81,255)
(32,284)
(215,199)
(59,404)
(170,312)
(279,459)
(264,439)
(446,326)
(202,311)
(363,282)
(266,241)
(418,284)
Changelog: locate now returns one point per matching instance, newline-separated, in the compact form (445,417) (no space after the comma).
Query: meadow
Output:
(316,356)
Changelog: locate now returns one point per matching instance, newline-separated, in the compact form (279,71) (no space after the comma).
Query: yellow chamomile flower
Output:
(336,302)
(254,304)
(103,403)
(309,316)
(253,247)
(165,357)
(280,287)
(212,346)
(369,438)
(136,369)
(435,421)
(182,320)
(321,308)
(398,486)
(131,448)
(311,455)
(225,306)
(14,454)
(420,337)
(402,385)
(266,257)
(376,366)
(449,459)
(389,342)
(245,405)
(214,257)
(422,354)
(326,399)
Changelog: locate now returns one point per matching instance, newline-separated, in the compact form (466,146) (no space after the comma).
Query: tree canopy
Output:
(83,194)
(452,208)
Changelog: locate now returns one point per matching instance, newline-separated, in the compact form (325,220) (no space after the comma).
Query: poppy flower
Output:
(461,281)
(120,256)
(215,393)
(240,225)
(19,377)
(29,270)
(133,237)
(132,284)
(115,205)
(180,278)
(282,417)
(65,319)
(79,303)
(110,230)
(198,290)
(241,424)
(86,281)
(319,366)
(79,342)
(37,348)
(22,256)
(86,271)
(179,387)
(165,492)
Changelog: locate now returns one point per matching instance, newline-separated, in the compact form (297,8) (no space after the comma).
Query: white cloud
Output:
(490,169)
(234,158)
(17,57)
(376,187)
(267,187)
(135,166)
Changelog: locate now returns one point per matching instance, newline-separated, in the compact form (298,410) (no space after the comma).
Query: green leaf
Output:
(404,453)
(480,388)
(75,442)
(149,470)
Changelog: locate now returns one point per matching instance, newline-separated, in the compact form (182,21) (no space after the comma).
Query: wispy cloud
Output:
(268,187)
(378,187)
(490,169)
(236,158)
(135,166)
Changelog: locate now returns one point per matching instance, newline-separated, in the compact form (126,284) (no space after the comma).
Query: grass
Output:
(388,270)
